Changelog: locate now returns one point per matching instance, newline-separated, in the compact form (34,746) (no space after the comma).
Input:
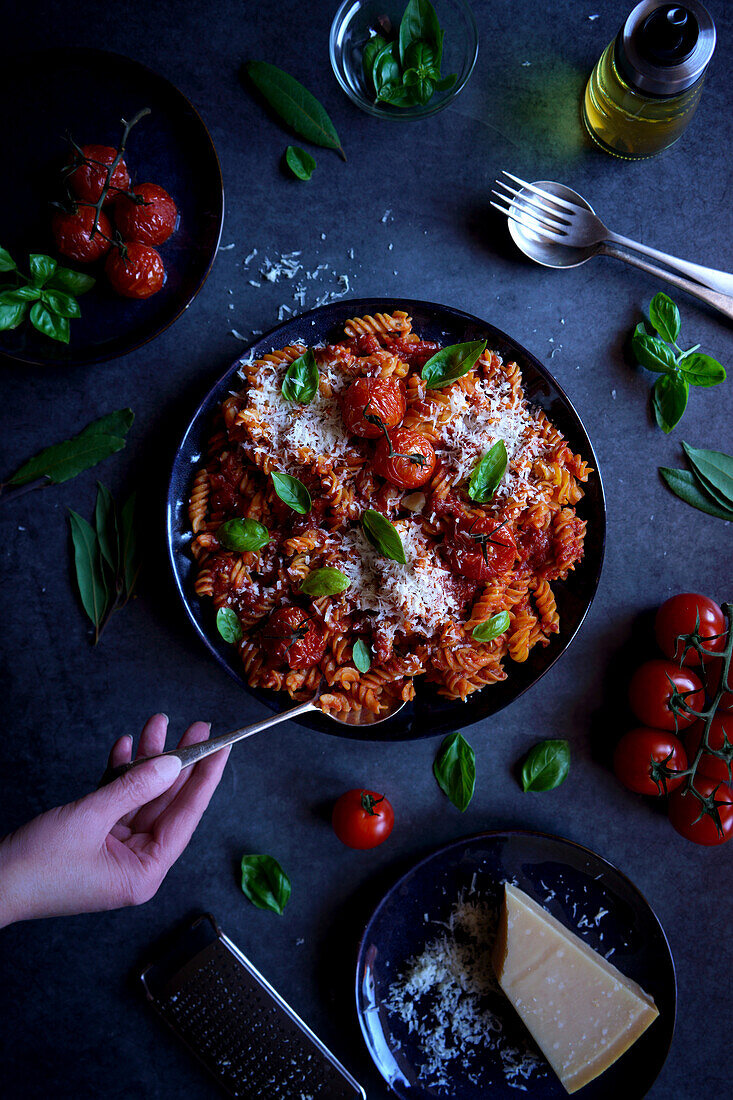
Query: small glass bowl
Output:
(351,30)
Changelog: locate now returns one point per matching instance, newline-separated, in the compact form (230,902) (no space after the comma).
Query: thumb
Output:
(135,788)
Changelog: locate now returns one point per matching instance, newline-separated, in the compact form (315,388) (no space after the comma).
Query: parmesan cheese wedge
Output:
(581,1011)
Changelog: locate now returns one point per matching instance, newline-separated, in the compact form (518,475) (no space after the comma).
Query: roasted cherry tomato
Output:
(685,812)
(715,670)
(71,232)
(149,218)
(378,397)
(362,819)
(721,729)
(411,463)
(291,638)
(480,549)
(88,179)
(135,271)
(651,690)
(634,753)
(414,352)
(678,616)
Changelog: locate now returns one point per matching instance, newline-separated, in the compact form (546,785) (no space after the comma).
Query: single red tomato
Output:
(411,463)
(721,730)
(377,397)
(652,687)
(714,670)
(362,819)
(73,234)
(135,270)
(682,615)
(88,179)
(687,816)
(634,753)
(150,217)
(480,548)
(291,638)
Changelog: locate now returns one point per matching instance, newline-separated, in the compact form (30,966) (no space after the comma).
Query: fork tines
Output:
(529,208)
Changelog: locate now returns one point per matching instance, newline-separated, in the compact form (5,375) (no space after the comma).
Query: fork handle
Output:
(708,276)
(722,302)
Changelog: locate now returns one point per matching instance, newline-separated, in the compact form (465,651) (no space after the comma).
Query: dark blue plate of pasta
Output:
(472,597)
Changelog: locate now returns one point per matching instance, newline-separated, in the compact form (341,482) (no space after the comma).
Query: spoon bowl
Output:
(543,251)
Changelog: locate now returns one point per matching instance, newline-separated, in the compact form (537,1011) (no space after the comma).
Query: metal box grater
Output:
(238,1025)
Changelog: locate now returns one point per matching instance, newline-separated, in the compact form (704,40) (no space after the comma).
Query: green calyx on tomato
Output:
(368,802)
(362,819)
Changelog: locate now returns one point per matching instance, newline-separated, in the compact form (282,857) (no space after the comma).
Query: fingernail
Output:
(162,714)
(167,767)
(126,741)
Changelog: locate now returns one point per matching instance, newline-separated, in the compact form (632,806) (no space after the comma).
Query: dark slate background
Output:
(74,1023)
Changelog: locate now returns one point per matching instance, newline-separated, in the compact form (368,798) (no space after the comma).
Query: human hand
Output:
(115,846)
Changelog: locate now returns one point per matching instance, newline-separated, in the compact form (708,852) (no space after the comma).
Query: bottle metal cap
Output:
(663,49)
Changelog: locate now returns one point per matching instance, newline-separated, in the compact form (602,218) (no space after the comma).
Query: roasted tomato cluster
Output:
(127,229)
(292,639)
(684,748)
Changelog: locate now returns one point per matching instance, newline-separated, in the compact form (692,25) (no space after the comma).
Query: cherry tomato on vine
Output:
(362,819)
(679,615)
(685,812)
(291,638)
(652,687)
(715,671)
(150,221)
(88,179)
(721,728)
(633,755)
(413,460)
(136,271)
(72,234)
(480,549)
(382,397)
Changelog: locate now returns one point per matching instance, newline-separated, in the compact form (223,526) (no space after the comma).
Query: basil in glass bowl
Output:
(403,59)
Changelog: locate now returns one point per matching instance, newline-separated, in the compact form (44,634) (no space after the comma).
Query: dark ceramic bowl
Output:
(585,892)
(85,92)
(429,713)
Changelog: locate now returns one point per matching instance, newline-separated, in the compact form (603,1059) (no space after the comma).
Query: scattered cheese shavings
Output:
(387,217)
(226,247)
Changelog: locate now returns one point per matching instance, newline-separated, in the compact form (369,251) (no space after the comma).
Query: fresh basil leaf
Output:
(419,55)
(451,363)
(669,400)
(228,625)
(386,70)
(296,106)
(702,370)
(665,317)
(301,379)
(292,492)
(424,90)
(383,536)
(49,323)
(117,423)
(129,547)
(105,522)
(373,47)
(455,770)
(7,263)
(420,24)
(361,656)
(20,294)
(58,301)
(492,628)
(397,95)
(546,766)
(72,282)
(715,470)
(265,883)
(88,567)
(11,315)
(41,268)
(653,353)
(325,582)
(300,163)
(446,83)
(487,473)
(243,535)
(684,485)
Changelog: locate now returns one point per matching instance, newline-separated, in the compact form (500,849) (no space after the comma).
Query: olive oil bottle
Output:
(646,86)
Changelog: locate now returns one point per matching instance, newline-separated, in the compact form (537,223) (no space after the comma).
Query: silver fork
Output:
(569,224)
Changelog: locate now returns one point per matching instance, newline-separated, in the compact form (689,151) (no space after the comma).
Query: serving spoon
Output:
(191,754)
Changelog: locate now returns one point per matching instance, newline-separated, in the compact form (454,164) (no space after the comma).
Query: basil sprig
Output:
(265,883)
(228,625)
(451,363)
(492,628)
(49,290)
(300,163)
(298,109)
(301,379)
(361,655)
(487,473)
(407,72)
(242,535)
(383,536)
(709,485)
(546,766)
(325,582)
(678,369)
(292,492)
(455,770)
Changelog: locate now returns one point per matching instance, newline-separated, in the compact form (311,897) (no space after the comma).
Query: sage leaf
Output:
(243,535)
(118,423)
(291,492)
(487,473)
(492,628)
(372,49)
(58,301)
(62,461)
(451,363)
(546,766)
(300,163)
(228,625)
(325,582)
(455,770)
(669,400)
(265,883)
(88,568)
(383,536)
(702,370)
(684,485)
(420,24)
(41,268)
(715,469)
(361,656)
(665,317)
(653,353)
(11,315)
(129,548)
(7,263)
(71,282)
(301,379)
(294,104)
(49,323)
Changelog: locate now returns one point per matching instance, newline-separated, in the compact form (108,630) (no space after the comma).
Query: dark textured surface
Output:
(74,1024)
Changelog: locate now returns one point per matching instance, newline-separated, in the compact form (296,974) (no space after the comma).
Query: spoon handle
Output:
(721,302)
(708,276)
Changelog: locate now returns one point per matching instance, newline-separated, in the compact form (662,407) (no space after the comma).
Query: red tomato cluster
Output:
(132,223)
(692,633)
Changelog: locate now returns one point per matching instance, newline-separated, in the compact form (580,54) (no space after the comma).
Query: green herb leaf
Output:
(265,883)
(243,535)
(492,628)
(301,379)
(11,315)
(325,582)
(455,770)
(228,625)
(446,83)
(20,294)
(487,473)
(715,471)
(702,370)
(118,422)
(72,282)
(49,323)
(105,522)
(129,549)
(546,766)
(62,461)
(387,73)
(361,656)
(451,363)
(383,535)
(41,268)
(665,317)
(292,492)
(88,566)
(420,56)
(653,353)
(420,23)
(373,47)
(669,400)
(58,301)
(684,485)
(7,263)
(300,163)
(296,106)
(397,95)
